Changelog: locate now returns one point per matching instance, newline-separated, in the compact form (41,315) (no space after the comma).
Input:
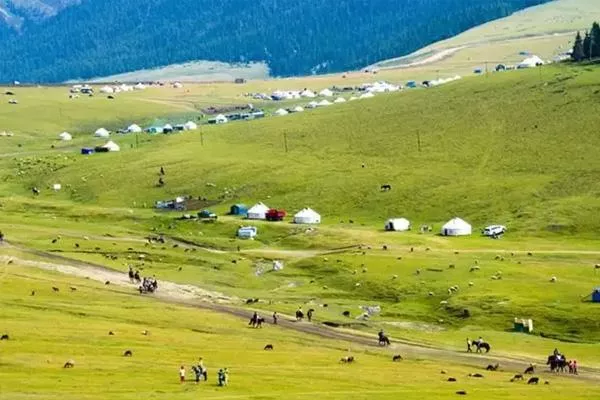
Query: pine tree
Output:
(595,36)
(586,45)
(578,53)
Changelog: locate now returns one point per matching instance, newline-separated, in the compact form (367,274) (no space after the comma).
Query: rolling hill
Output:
(98,38)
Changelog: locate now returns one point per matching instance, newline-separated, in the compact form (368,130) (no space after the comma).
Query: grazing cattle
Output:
(451,379)
(530,369)
(517,377)
(269,347)
(69,364)
(4,337)
(476,375)
(107,283)
(533,381)
(35,191)
(386,188)
(493,367)
(397,357)
(73,289)
(33,293)
(111,333)
(462,392)
(127,353)
(346,314)
(76,245)
(347,360)
(55,289)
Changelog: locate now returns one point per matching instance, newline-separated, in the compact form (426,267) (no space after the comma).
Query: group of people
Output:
(560,358)
(201,373)
(148,285)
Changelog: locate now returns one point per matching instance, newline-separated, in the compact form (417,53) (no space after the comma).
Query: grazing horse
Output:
(557,364)
(482,345)
(386,188)
(493,367)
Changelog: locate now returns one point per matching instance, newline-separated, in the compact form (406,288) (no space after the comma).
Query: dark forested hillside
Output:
(104,37)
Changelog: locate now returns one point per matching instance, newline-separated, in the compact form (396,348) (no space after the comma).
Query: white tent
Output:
(106,89)
(221,119)
(456,227)
(530,62)
(190,126)
(397,224)
(258,211)
(307,216)
(140,86)
(326,93)
(177,85)
(340,100)
(112,146)
(297,109)
(312,104)
(134,128)
(102,133)
(324,103)
(126,88)
(308,93)
(281,111)
(367,95)
(66,136)
(352,98)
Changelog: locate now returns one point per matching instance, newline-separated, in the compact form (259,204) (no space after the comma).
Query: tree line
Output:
(588,47)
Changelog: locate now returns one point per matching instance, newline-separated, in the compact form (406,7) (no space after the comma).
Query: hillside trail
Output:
(194,296)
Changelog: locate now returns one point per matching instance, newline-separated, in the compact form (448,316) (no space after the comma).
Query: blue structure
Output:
(411,84)
(87,151)
(596,295)
(238,209)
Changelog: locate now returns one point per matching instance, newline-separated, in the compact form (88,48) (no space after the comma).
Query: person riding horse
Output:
(383,339)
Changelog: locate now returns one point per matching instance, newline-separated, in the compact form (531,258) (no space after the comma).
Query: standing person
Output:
(162,170)
(575,367)
(182,374)
(469,344)
(275,318)
(221,378)
(309,315)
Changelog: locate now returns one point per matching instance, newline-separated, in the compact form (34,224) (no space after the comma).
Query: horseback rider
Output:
(381,335)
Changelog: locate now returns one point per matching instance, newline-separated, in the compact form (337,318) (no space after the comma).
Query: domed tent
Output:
(190,126)
(258,211)
(134,128)
(65,136)
(456,227)
(324,103)
(112,146)
(340,100)
(530,62)
(307,216)
(397,225)
(326,93)
(103,133)
(308,93)
(107,89)
(281,111)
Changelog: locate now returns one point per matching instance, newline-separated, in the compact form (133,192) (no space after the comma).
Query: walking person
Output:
(575,367)
(182,374)
(275,318)
(469,344)
(309,315)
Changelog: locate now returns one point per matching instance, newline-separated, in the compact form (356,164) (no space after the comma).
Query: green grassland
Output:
(75,324)
(518,148)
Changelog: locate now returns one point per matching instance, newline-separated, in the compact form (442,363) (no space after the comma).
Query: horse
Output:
(530,369)
(557,364)
(386,188)
(482,345)
(269,347)
(299,315)
(493,367)
(383,340)
(259,322)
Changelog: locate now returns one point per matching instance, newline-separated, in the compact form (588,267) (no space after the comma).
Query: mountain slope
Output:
(14,13)
(100,38)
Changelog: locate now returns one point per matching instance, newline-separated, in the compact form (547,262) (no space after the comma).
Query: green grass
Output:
(50,328)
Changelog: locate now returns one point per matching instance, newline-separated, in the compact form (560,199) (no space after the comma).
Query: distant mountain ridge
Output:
(58,40)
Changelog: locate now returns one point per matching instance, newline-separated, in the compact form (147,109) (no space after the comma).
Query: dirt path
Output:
(194,296)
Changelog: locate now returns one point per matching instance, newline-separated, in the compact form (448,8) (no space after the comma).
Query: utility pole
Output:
(137,140)
(419,141)
(285,144)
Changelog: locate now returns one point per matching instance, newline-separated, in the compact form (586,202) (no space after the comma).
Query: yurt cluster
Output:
(455,227)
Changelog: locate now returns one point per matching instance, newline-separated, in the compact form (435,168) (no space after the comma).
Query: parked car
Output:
(494,230)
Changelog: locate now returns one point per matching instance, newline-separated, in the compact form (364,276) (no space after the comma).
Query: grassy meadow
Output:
(516,148)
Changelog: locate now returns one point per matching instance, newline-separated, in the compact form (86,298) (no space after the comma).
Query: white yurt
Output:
(297,109)
(190,126)
(111,146)
(307,216)
(326,93)
(177,85)
(281,111)
(324,103)
(530,62)
(312,104)
(456,227)
(134,128)
(66,136)
(352,98)
(258,211)
(340,100)
(367,95)
(397,225)
(308,93)
(140,86)
(102,133)
(106,89)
